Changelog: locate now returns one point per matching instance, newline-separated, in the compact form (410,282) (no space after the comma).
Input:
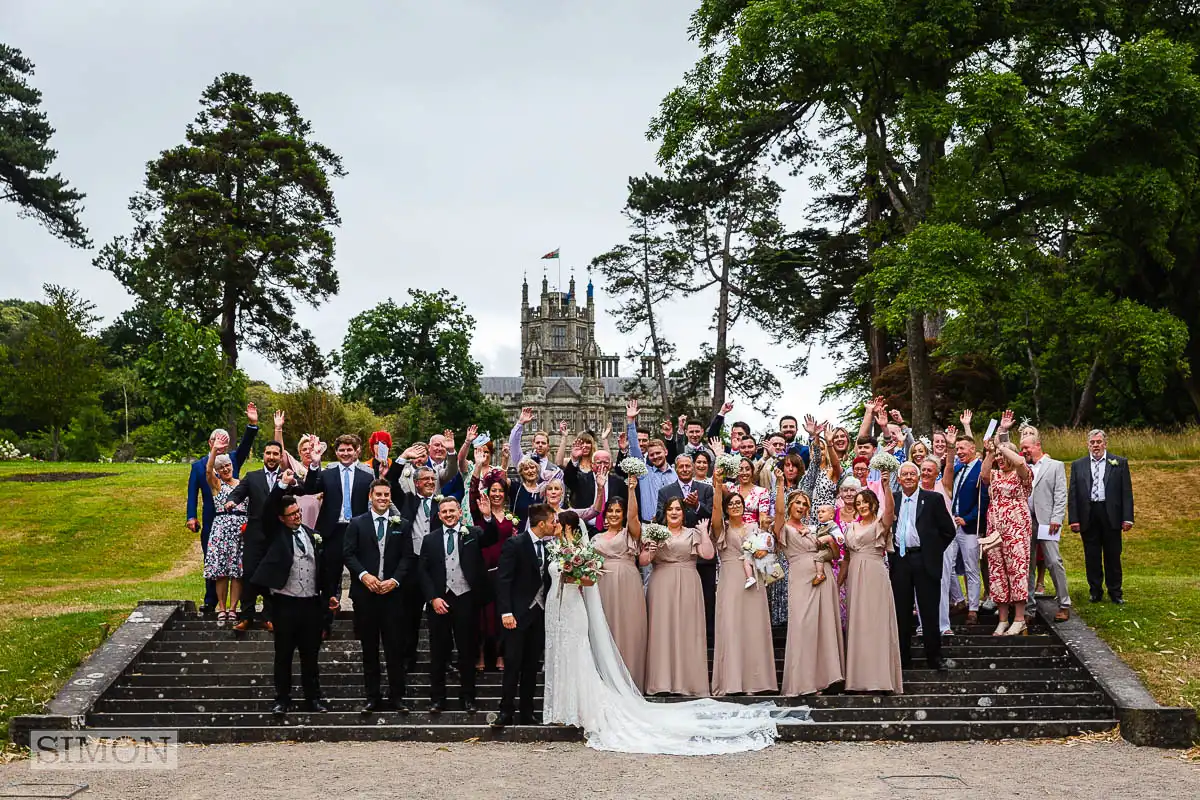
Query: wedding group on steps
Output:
(846,615)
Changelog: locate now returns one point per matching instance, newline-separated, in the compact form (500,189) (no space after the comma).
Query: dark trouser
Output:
(707,569)
(1102,553)
(333,566)
(210,585)
(377,617)
(412,603)
(458,627)
(253,549)
(523,651)
(297,627)
(909,575)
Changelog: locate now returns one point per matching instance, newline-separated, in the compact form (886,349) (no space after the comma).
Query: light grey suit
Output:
(1049,506)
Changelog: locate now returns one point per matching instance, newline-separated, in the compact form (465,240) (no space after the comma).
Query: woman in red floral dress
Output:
(1009,488)
(492,490)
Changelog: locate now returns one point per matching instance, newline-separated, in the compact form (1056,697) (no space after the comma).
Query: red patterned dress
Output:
(1008,515)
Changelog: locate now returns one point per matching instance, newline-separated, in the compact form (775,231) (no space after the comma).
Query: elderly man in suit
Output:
(1100,504)
(697,505)
(198,489)
(923,530)
(1048,503)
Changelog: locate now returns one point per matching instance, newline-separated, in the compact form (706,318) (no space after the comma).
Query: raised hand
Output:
(319,450)
(716,444)
(481,457)
(280,416)
(472,432)
(666,429)
(631,481)
(606,433)
(951,435)
(810,424)
(778,473)
(681,423)
(287,478)
(622,441)
(221,440)
(563,427)
(415,452)
(252,413)
(896,416)
(631,409)
(448,436)
(577,451)
(485,504)
(965,418)
(990,446)
(526,415)
(726,408)
(506,449)
(1006,421)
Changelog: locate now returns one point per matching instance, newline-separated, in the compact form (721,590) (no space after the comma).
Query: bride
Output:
(588,686)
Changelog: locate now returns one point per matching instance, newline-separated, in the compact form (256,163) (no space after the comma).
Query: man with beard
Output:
(658,472)
(257,488)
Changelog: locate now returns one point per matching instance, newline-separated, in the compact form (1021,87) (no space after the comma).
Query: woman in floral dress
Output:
(223,561)
(1008,515)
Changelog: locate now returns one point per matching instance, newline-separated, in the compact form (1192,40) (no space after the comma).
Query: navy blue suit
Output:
(198,486)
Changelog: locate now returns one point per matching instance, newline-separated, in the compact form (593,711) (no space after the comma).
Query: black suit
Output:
(329,525)
(257,487)
(378,616)
(298,620)
(1100,522)
(412,598)
(519,579)
(458,627)
(706,568)
(920,570)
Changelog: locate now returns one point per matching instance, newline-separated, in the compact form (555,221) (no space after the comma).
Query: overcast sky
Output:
(477,134)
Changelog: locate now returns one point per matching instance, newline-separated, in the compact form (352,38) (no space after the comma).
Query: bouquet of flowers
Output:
(633,466)
(885,462)
(653,532)
(729,463)
(578,561)
(757,544)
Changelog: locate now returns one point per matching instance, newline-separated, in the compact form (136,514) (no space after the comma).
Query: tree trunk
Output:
(1036,375)
(655,343)
(54,437)
(721,358)
(921,376)
(1087,399)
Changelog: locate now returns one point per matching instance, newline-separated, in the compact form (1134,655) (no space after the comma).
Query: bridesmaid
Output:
(744,657)
(815,657)
(676,649)
(872,636)
(621,591)
(488,497)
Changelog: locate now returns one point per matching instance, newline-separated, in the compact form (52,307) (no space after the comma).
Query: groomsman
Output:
(1048,504)
(346,487)
(455,587)
(923,529)
(522,581)
(256,487)
(412,492)
(1100,504)
(380,558)
(198,489)
(303,590)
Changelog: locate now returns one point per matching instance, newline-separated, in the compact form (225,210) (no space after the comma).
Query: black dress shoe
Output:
(318,706)
(501,721)
(372,706)
(279,709)
(400,705)
(435,707)
(1096,598)
(1119,600)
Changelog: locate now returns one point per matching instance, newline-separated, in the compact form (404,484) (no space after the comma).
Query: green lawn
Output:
(76,555)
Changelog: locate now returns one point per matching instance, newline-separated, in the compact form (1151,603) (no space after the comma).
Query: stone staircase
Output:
(214,687)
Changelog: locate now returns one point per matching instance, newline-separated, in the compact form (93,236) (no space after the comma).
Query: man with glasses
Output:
(418,518)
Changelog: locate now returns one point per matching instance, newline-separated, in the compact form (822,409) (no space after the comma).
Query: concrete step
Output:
(260,702)
(940,731)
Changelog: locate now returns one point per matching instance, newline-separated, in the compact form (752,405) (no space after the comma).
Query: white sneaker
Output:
(751,583)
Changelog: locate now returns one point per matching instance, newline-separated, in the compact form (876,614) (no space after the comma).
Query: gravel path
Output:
(522,771)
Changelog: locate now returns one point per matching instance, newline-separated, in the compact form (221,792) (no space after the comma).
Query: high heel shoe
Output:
(1018,629)
(1000,629)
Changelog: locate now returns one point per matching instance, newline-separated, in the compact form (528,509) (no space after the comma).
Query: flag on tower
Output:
(552,254)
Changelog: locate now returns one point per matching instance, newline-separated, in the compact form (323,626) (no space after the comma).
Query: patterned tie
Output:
(271,478)
(379,529)
(300,542)
(541,554)
(346,512)
(450,541)
(1096,464)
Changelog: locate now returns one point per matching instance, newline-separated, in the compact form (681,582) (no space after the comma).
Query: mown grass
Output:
(1136,444)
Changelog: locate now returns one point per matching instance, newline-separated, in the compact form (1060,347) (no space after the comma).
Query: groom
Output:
(522,581)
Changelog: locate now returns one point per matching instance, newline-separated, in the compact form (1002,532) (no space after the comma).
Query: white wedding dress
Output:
(588,686)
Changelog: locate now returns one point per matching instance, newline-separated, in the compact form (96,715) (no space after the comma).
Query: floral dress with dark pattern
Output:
(224,556)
